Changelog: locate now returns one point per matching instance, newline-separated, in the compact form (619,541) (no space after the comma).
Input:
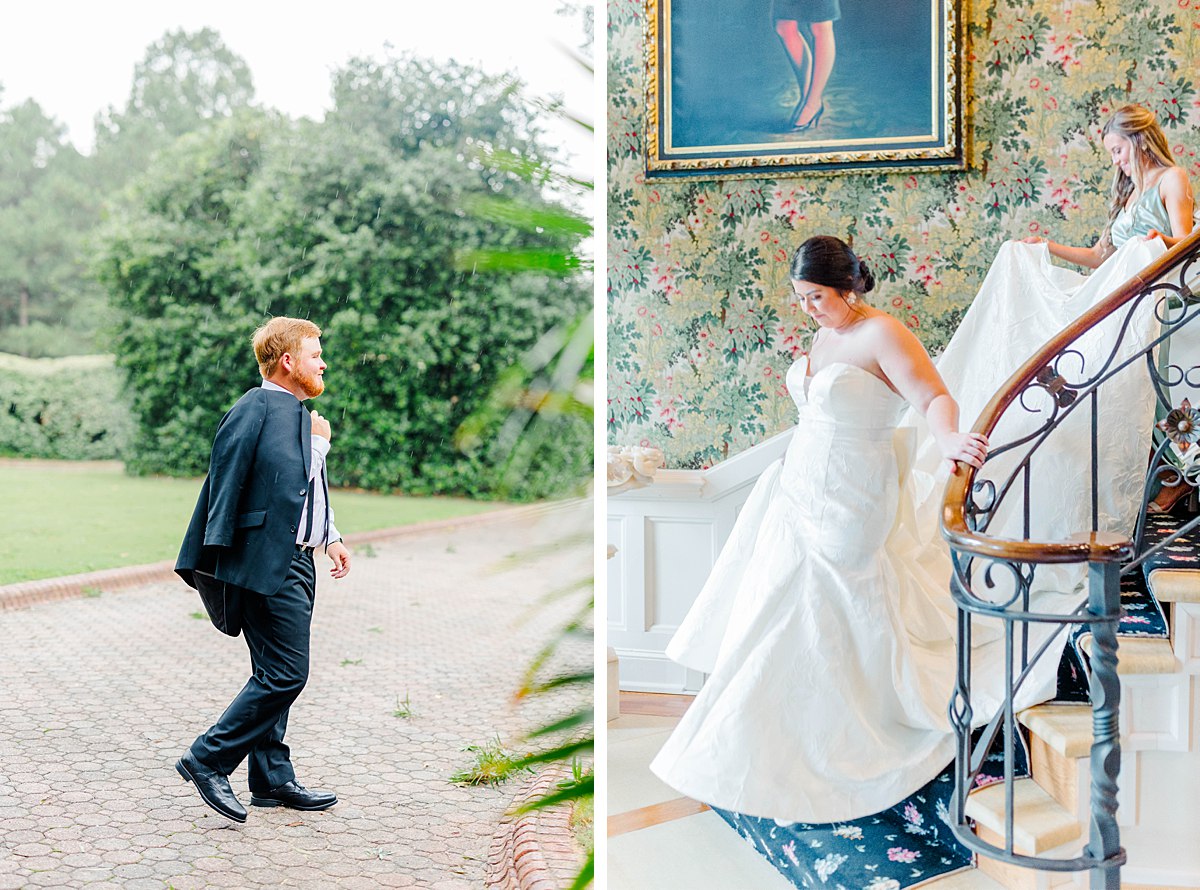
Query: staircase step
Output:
(1173,575)
(1014,877)
(1059,736)
(1065,728)
(1140,655)
(1040,822)
(1175,585)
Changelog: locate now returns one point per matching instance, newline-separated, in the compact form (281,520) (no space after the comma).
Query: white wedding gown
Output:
(826,626)
(830,659)
(1024,300)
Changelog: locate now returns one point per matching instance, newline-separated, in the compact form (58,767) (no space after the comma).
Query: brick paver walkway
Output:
(100,695)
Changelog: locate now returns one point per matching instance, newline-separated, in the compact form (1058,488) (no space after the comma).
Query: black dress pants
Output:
(276,628)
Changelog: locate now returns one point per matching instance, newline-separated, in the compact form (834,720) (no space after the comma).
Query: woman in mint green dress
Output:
(1151,195)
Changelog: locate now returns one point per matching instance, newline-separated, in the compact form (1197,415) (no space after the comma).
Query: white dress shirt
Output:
(320,448)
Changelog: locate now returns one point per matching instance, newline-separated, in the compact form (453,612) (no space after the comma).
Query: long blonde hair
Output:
(1150,149)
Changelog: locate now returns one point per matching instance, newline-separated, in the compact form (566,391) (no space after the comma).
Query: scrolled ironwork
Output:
(993,576)
(1056,384)
(981,506)
(1164,376)
(1174,295)
(1022,575)
(1061,359)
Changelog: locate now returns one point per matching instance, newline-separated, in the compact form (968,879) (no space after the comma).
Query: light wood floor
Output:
(656,814)
(653,704)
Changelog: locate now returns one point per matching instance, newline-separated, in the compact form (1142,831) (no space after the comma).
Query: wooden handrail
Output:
(1087,547)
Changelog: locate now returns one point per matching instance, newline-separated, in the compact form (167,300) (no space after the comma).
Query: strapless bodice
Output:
(845,395)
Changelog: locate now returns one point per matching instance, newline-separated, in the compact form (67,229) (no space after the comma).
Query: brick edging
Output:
(535,851)
(44,590)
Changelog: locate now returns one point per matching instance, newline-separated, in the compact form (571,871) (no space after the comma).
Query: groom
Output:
(263,509)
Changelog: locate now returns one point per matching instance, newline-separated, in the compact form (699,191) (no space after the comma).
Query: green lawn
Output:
(60,517)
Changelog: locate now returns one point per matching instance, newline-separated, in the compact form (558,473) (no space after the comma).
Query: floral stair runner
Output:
(1141,616)
(1182,553)
(905,845)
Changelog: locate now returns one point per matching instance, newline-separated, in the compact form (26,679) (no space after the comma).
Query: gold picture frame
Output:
(724,87)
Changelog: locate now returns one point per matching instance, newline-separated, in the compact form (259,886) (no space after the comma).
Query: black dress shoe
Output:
(213,787)
(296,796)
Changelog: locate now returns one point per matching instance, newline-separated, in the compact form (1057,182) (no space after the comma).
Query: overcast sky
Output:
(76,57)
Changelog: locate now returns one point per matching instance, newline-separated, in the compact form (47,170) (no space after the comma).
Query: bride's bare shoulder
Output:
(881,325)
(885,336)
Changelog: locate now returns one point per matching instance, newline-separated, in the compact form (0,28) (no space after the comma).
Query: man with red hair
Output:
(248,550)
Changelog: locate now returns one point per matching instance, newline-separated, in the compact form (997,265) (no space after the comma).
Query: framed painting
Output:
(769,87)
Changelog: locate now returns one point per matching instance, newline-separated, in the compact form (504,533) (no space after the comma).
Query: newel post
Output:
(1104,606)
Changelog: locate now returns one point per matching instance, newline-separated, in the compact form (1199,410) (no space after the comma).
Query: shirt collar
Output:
(267,384)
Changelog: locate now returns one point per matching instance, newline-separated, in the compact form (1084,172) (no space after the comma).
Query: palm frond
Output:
(562,752)
(566,792)
(566,680)
(556,220)
(587,873)
(509,260)
(579,718)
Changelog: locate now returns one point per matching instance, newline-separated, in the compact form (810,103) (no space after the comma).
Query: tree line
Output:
(413,223)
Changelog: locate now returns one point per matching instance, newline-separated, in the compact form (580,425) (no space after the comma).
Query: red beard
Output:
(312,385)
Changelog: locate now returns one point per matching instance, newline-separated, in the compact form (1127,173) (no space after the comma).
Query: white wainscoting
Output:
(1185,628)
(1160,790)
(667,537)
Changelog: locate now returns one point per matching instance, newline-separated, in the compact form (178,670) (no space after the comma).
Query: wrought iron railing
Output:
(1053,400)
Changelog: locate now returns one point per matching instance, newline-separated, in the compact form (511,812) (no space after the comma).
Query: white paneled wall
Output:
(667,537)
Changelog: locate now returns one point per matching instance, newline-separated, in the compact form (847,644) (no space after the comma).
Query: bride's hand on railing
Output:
(967,448)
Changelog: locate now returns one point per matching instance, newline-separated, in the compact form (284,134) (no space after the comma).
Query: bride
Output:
(830,662)
(825,627)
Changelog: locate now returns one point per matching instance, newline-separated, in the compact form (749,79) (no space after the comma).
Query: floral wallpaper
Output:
(701,325)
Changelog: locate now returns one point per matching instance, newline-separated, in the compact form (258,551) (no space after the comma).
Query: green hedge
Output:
(41,340)
(66,408)
(253,219)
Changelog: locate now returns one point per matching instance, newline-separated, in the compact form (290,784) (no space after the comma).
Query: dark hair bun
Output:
(865,276)
(829,261)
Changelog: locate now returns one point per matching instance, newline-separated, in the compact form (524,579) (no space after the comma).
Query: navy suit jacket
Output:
(242,534)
